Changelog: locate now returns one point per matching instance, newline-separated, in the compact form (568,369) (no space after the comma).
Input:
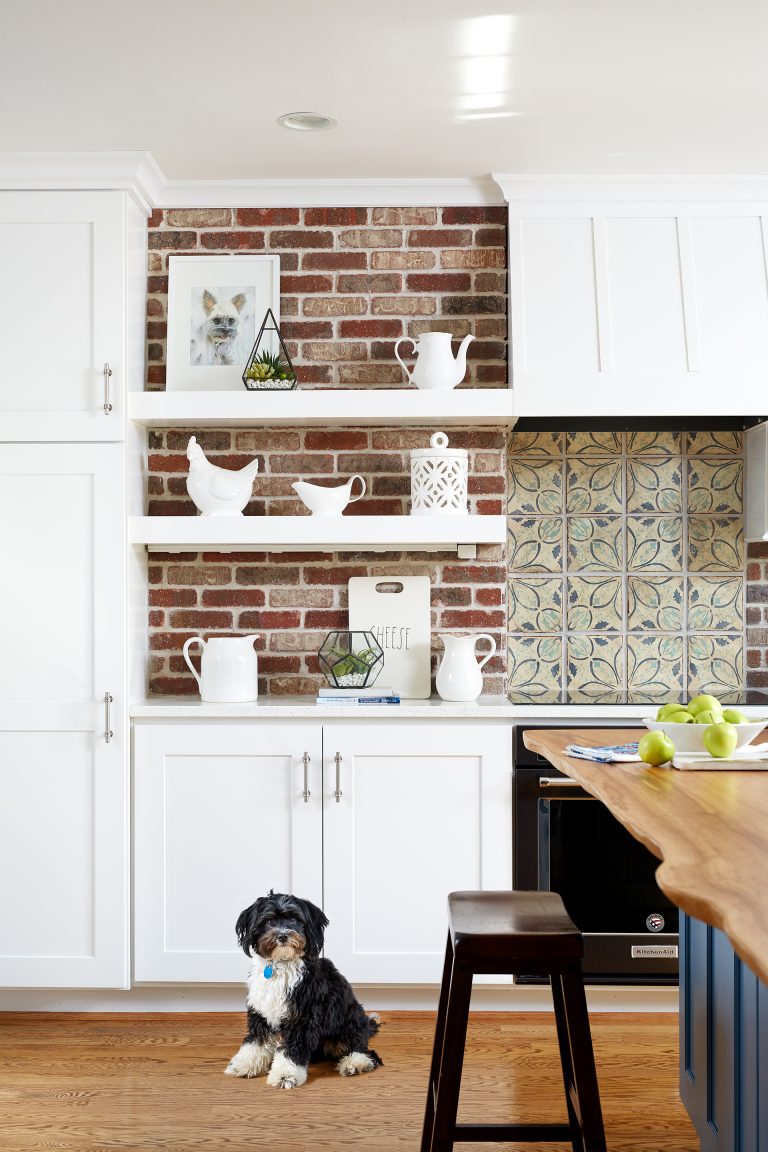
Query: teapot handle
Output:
(486,658)
(403,366)
(185,650)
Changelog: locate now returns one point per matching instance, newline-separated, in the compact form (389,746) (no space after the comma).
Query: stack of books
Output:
(373,695)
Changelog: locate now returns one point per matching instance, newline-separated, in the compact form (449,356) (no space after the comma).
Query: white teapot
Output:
(436,367)
(459,676)
(228,669)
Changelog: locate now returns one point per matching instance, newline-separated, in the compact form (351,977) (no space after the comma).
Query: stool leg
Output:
(582,1061)
(449,1082)
(437,1049)
(564,1045)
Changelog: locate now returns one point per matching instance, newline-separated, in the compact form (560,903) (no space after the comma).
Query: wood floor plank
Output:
(137,1083)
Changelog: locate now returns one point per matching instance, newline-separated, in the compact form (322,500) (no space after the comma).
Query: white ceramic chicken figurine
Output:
(218,491)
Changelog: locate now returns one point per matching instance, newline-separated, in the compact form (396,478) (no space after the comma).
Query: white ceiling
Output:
(420,88)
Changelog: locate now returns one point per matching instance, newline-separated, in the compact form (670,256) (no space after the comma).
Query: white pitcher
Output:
(228,669)
(459,676)
(436,367)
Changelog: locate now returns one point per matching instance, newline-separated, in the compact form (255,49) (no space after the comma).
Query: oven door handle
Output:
(557,782)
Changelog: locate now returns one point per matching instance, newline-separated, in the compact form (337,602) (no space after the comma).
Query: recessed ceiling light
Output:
(306,121)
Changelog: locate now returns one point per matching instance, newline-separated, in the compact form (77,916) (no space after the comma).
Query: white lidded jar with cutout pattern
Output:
(439,479)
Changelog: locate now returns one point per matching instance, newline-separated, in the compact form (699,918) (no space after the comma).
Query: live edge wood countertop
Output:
(709,829)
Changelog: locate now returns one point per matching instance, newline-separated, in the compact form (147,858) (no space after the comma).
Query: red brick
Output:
(306,329)
(193,618)
(157,284)
(266,217)
(757,679)
(173,597)
(155,306)
(387,258)
(473,258)
(490,282)
(157,329)
(154,574)
(394,485)
(338,350)
(435,238)
(754,658)
(382,350)
(473,305)
(334,217)
(156,218)
(302,284)
(335,306)
(489,507)
(371,238)
(451,597)
(485,485)
(490,373)
(404,216)
(336,574)
(154,485)
(473,618)
(754,571)
(370,462)
(270,664)
(333,441)
(295,685)
(489,597)
(754,615)
(403,306)
(368,507)
(166,462)
(168,641)
(198,574)
(757,550)
(269,620)
(198,217)
(318,618)
(381,375)
(300,238)
(314,373)
(491,238)
(439,282)
(261,574)
(234,598)
(232,241)
(375,282)
(173,686)
(209,439)
(474,574)
(234,557)
(156,374)
(475,215)
(183,241)
(334,261)
(369,328)
(156,618)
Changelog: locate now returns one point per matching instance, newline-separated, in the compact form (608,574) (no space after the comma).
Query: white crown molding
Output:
(138,173)
(558,189)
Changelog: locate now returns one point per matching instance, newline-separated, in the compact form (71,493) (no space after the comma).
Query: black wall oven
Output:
(566,841)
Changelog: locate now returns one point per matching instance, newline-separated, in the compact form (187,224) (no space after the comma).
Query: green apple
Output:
(666,710)
(655,748)
(720,740)
(704,704)
(707,716)
(679,717)
(733,716)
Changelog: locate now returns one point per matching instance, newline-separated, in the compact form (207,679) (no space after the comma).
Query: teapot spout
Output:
(461,357)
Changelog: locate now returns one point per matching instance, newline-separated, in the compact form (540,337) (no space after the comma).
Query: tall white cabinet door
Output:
(61,315)
(63,786)
(423,810)
(221,816)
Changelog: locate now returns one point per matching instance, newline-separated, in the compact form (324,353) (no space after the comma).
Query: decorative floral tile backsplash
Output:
(626,566)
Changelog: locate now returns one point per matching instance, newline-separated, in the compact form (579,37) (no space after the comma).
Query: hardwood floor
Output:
(100,1083)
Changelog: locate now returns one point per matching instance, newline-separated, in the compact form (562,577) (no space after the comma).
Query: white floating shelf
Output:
(461,534)
(490,407)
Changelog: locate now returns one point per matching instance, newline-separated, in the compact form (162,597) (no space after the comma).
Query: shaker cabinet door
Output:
(61,315)
(222,814)
(63,785)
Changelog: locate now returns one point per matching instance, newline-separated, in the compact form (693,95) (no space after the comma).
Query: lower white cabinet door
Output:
(64,784)
(411,813)
(221,816)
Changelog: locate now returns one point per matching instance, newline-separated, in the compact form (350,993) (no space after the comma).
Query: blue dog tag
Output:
(268,971)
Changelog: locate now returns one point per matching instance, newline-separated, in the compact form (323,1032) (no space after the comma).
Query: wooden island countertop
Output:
(709,829)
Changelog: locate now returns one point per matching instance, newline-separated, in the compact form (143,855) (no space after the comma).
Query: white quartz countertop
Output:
(305,707)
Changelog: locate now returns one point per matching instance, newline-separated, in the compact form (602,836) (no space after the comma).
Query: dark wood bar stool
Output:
(513,933)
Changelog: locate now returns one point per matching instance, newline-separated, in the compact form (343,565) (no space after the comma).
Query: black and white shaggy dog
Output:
(300,1007)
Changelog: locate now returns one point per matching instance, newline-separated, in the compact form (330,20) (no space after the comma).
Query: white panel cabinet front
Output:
(423,810)
(62,301)
(63,785)
(220,818)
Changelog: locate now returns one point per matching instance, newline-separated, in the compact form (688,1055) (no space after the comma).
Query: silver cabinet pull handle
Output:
(306,758)
(107,374)
(108,733)
(337,760)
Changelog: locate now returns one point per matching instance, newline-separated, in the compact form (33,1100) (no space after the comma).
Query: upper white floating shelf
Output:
(490,407)
(461,534)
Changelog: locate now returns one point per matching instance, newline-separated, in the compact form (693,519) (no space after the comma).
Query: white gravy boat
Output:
(323,501)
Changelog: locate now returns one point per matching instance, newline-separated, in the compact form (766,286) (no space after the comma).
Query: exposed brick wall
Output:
(352,281)
(293,599)
(757,623)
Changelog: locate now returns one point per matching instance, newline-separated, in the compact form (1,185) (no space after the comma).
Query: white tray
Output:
(749,759)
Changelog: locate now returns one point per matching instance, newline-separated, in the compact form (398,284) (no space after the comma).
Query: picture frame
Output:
(216,305)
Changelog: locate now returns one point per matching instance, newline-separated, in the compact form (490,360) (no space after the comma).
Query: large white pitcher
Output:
(459,676)
(228,669)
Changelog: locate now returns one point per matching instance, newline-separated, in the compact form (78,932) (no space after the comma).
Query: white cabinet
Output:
(636,305)
(756,488)
(220,818)
(62,315)
(63,786)
(399,814)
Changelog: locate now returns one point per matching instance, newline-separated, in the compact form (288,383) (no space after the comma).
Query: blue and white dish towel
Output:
(610,754)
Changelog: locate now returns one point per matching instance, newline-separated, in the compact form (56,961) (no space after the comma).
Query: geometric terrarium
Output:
(269,367)
(351,659)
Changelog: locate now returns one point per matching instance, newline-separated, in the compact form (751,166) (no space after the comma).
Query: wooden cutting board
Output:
(397,612)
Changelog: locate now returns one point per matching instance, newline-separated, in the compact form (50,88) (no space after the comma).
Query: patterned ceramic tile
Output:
(654,485)
(715,545)
(595,670)
(715,485)
(654,543)
(594,443)
(593,486)
(535,486)
(595,603)
(654,668)
(535,604)
(535,544)
(534,669)
(654,603)
(537,443)
(716,666)
(715,602)
(715,443)
(653,443)
(595,542)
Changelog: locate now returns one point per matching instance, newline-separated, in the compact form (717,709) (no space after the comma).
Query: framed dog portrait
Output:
(215,308)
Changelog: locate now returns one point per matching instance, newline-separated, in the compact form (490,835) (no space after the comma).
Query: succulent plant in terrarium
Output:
(267,369)
(268,366)
(351,659)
